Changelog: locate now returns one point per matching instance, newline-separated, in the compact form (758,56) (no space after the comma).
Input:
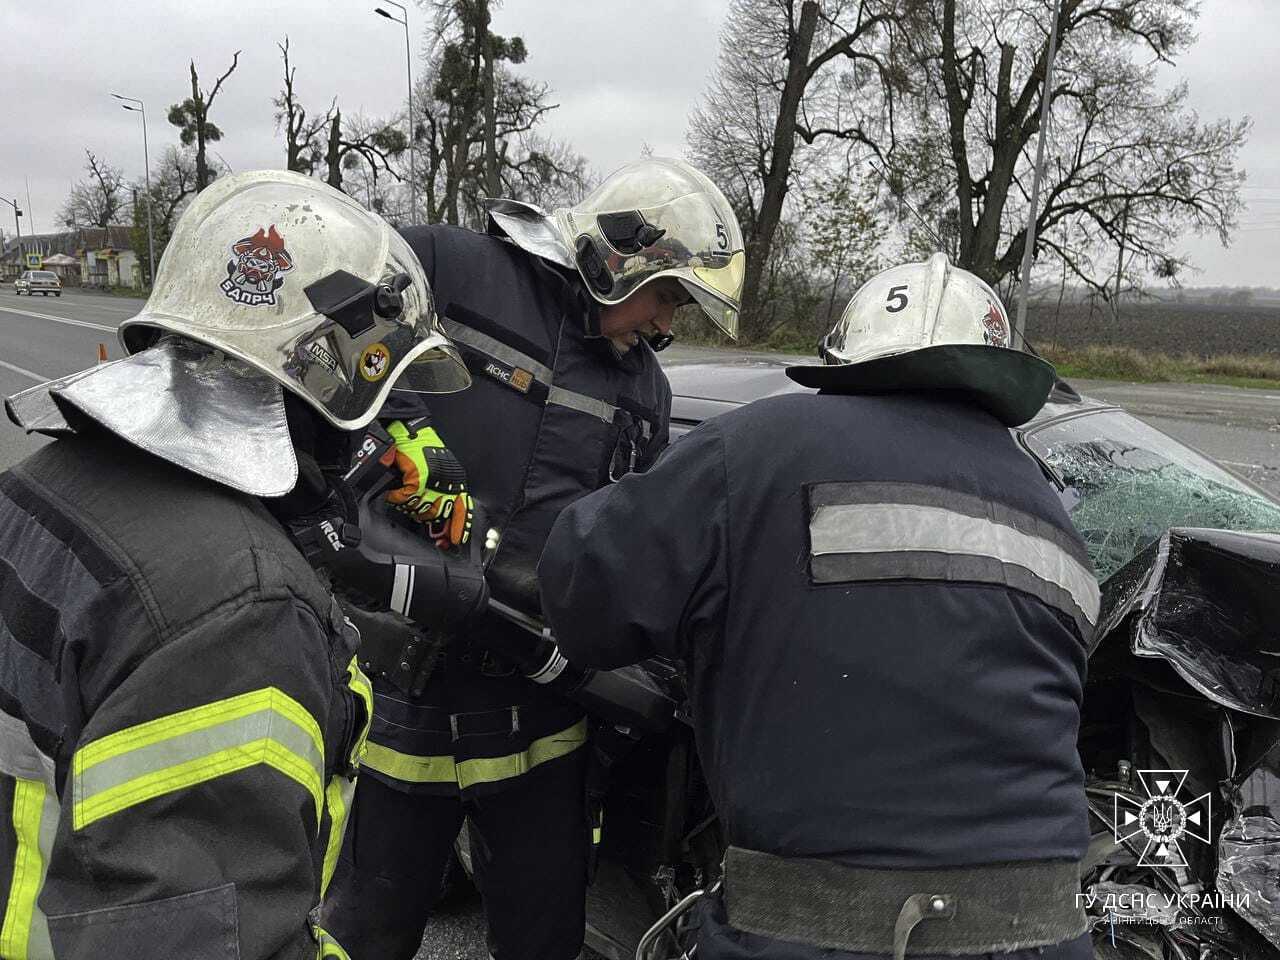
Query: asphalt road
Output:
(46,337)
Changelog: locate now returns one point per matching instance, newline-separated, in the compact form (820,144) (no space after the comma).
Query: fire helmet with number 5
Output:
(652,218)
(930,326)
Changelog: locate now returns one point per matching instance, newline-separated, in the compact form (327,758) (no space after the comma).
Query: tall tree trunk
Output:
(460,147)
(202,170)
(491,183)
(486,42)
(776,181)
(333,156)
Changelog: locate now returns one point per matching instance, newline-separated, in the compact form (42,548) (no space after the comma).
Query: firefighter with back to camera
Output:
(885,631)
(181,712)
(558,318)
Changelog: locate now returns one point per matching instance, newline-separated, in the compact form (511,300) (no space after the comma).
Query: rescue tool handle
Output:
(669,919)
(438,589)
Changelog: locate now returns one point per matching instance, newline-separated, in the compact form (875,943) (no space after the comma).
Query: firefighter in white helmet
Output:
(181,708)
(886,627)
(558,317)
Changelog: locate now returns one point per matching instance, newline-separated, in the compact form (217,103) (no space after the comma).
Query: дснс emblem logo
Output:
(1162,819)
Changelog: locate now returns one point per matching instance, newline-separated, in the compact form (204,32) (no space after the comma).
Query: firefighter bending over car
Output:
(884,610)
(180,706)
(558,318)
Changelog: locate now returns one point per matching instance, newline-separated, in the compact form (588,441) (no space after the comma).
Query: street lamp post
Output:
(1028,251)
(146,166)
(408,69)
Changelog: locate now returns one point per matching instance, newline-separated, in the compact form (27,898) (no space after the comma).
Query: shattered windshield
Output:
(1127,483)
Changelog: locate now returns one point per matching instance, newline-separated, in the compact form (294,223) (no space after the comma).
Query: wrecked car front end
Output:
(1180,731)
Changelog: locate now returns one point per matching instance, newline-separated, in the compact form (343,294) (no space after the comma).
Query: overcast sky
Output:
(624,73)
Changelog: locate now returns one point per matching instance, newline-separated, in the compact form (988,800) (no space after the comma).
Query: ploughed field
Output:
(1198,329)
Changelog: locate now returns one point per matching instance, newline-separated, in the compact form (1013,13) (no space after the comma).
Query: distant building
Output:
(103,256)
(13,257)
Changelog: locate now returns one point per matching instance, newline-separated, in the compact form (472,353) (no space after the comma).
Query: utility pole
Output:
(146,166)
(1020,325)
(403,20)
(1124,232)
(17,212)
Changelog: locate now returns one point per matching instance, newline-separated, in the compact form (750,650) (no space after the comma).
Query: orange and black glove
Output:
(434,491)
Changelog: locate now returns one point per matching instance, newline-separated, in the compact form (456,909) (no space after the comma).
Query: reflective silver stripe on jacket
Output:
(889,531)
(499,351)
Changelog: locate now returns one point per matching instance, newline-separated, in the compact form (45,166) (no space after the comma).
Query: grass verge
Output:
(1127,363)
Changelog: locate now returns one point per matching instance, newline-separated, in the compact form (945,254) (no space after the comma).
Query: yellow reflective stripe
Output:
(193,746)
(360,685)
(491,769)
(468,773)
(338,800)
(198,718)
(341,789)
(25,933)
(407,767)
(200,770)
(329,948)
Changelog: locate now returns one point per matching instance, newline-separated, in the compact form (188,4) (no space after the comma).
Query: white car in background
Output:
(43,282)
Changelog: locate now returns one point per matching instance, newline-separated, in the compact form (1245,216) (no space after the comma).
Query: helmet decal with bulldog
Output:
(995,327)
(255,270)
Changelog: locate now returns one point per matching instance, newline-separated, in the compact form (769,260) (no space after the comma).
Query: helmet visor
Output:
(349,378)
(684,234)
(713,305)
(697,246)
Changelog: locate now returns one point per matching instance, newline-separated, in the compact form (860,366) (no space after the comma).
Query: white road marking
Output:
(49,316)
(1251,466)
(96,303)
(26,373)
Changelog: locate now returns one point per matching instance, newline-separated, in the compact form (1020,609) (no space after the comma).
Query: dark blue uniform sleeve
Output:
(640,568)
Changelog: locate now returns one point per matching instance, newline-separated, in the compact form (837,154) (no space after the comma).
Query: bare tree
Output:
(844,231)
(546,172)
(97,199)
(375,145)
(787,73)
(475,129)
(191,117)
(173,184)
(1130,166)
(303,137)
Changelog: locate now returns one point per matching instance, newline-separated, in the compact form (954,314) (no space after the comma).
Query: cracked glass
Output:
(1127,483)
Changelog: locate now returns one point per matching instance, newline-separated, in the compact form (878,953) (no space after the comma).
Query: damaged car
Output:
(1180,730)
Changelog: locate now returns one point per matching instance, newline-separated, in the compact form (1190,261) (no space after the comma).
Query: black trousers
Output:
(528,852)
(719,941)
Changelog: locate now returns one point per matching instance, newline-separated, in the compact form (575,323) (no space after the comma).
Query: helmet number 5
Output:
(897,301)
(722,238)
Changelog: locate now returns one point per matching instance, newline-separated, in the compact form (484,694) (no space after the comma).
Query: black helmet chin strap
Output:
(660,341)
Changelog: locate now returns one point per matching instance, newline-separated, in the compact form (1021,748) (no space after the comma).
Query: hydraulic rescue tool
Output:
(409,598)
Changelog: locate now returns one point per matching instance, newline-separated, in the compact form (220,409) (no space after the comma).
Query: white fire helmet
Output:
(301,282)
(650,219)
(930,326)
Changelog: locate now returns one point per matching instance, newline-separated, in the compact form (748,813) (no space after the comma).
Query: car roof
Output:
(708,383)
